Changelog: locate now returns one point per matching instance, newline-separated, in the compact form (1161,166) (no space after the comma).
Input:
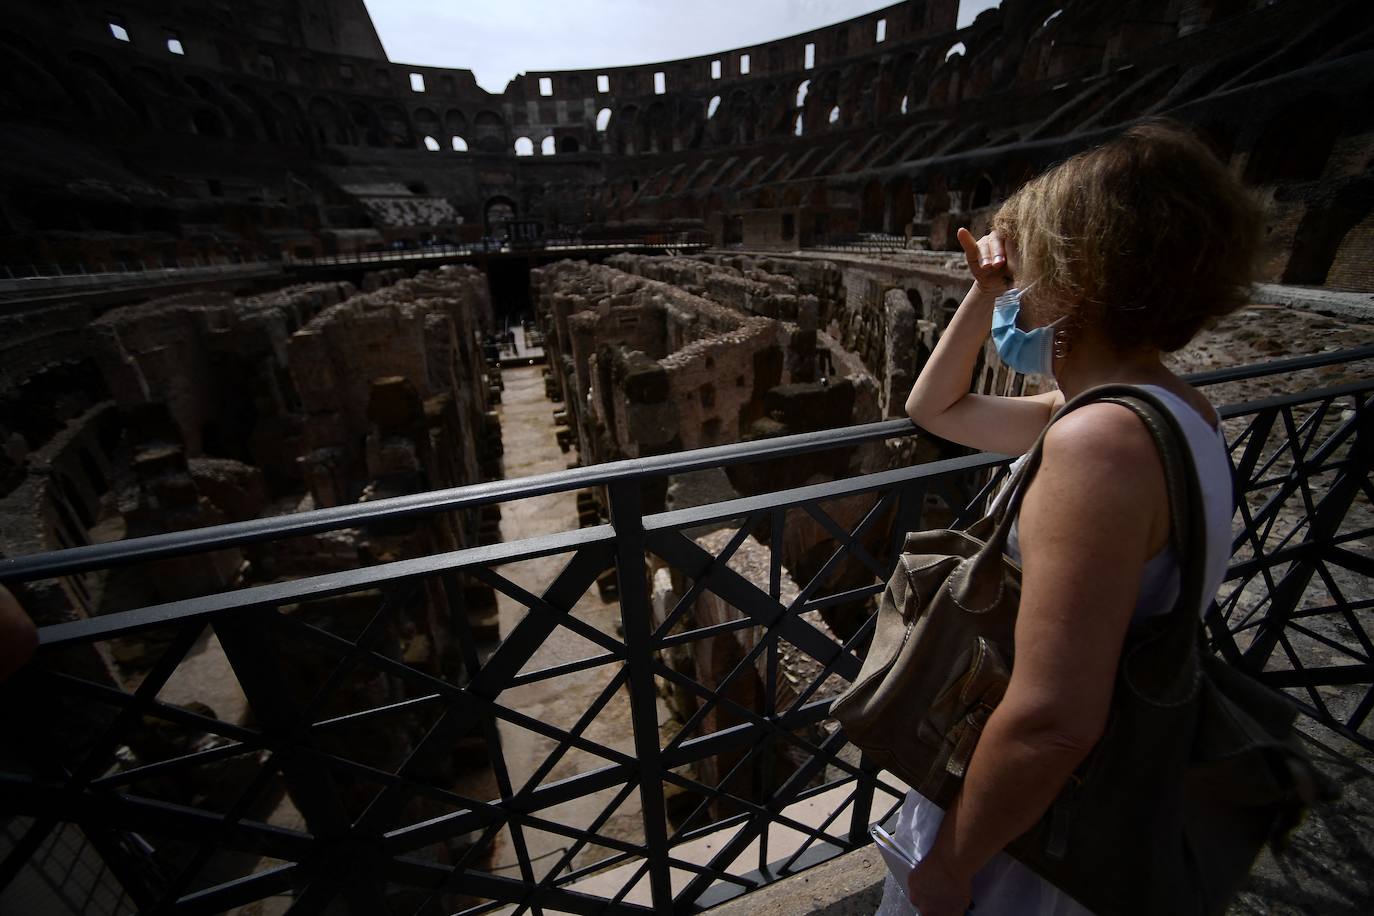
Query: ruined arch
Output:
(427,122)
(860,103)
(294,119)
(268,118)
(366,124)
(658,129)
(775,109)
(327,121)
(489,132)
(238,124)
(396,127)
(742,116)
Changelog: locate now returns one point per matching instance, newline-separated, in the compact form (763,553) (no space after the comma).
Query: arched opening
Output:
(489,132)
(455,123)
(396,127)
(365,124)
(835,115)
(294,119)
(431,144)
(906,99)
(873,204)
(797,129)
(712,107)
(627,129)
(603,120)
(460,145)
(524,146)
(548,146)
(498,212)
(982,193)
(427,123)
(262,114)
(901,205)
(802,90)
(569,145)
(957,48)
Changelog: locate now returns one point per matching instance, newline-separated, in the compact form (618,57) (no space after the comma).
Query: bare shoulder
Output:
(1102,434)
(1101,476)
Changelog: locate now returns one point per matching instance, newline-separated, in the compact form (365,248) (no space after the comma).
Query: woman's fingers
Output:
(971,250)
(995,246)
(987,258)
(984,252)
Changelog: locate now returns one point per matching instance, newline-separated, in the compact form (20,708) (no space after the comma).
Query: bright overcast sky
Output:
(498,39)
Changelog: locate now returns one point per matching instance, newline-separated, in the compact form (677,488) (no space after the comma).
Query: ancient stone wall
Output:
(264,135)
(649,366)
(199,409)
(373,370)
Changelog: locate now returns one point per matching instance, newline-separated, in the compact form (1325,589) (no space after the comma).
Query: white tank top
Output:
(1160,581)
(1005,887)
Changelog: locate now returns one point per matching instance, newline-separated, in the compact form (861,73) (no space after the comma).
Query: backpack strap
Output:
(1173,634)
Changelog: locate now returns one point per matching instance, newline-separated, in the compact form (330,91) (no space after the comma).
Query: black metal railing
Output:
(360,775)
(657,242)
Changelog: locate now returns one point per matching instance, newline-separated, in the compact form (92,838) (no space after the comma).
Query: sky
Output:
(497,39)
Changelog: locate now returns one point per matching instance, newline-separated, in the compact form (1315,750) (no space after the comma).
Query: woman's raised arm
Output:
(940,401)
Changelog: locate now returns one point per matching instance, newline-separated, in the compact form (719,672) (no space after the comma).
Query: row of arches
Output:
(847,96)
(145,96)
(549,146)
(37,81)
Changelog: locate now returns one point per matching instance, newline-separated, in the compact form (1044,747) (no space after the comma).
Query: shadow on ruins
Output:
(435,500)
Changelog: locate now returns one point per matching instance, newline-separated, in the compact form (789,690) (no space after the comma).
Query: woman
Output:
(1111,258)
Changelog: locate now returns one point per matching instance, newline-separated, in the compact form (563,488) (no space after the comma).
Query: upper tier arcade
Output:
(219,130)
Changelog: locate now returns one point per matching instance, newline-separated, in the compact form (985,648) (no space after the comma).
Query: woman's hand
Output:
(987,261)
(935,891)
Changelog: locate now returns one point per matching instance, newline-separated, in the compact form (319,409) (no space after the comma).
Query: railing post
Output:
(627,518)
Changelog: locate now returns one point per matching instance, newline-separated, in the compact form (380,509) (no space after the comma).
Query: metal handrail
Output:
(693,242)
(95,556)
(1278,445)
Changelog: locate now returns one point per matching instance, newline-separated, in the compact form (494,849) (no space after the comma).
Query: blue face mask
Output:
(1031,352)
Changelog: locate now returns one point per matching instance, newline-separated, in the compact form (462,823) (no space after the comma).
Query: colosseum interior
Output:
(254,269)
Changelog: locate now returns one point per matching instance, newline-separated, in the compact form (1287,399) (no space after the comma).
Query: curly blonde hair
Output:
(1147,236)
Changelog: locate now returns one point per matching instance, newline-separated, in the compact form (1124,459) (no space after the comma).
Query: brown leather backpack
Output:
(1198,766)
